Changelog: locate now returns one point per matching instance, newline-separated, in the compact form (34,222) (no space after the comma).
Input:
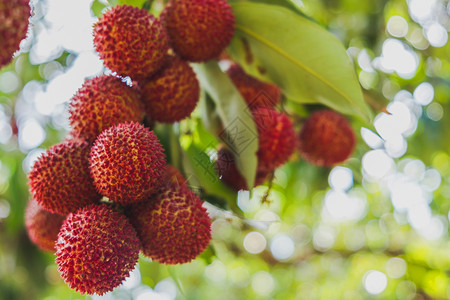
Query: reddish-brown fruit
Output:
(173,176)
(174,227)
(171,94)
(14,21)
(60,181)
(254,91)
(97,248)
(131,42)
(326,139)
(230,175)
(42,226)
(277,138)
(101,102)
(199,30)
(127,163)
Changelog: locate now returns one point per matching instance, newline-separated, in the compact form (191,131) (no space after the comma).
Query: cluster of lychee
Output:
(106,193)
(326,138)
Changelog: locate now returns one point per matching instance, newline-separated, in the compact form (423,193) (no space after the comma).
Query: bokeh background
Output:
(375,227)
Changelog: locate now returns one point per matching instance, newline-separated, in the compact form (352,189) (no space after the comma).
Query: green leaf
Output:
(239,131)
(200,172)
(97,7)
(306,61)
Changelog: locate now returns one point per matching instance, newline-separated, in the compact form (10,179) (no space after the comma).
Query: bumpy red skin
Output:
(42,226)
(131,42)
(127,163)
(277,138)
(173,176)
(199,30)
(326,139)
(230,175)
(60,180)
(97,248)
(101,102)
(14,21)
(254,91)
(173,93)
(174,227)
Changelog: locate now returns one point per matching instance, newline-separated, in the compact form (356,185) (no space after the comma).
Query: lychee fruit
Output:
(254,91)
(42,226)
(14,21)
(130,41)
(174,227)
(60,180)
(172,93)
(199,30)
(101,102)
(277,138)
(97,248)
(326,139)
(127,163)
(230,175)
(173,176)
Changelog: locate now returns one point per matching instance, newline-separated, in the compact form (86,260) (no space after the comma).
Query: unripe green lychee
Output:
(173,227)
(326,139)
(97,248)
(42,226)
(14,21)
(131,42)
(101,102)
(277,138)
(60,180)
(127,163)
(254,91)
(199,30)
(172,93)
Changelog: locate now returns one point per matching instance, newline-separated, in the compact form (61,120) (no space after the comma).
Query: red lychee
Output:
(174,227)
(42,226)
(173,176)
(277,138)
(199,30)
(326,139)
(230,175)
(14,21)
(97,248)
(60,180)
(172,93)
(254,91)
(127,163)
(131,42)
(101,102)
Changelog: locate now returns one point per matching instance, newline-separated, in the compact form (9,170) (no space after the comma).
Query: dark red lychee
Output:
(97,248)
(101,102)
(42,226)
(171,94)
(326,139)
(199,30)
(254,91)
(277,138)
(174,227)
(230,175)
(14,21)
(127,163)
(131,42)
(60,180)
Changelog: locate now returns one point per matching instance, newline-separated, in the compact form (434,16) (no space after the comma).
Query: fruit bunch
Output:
(325,139)
(106,193)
